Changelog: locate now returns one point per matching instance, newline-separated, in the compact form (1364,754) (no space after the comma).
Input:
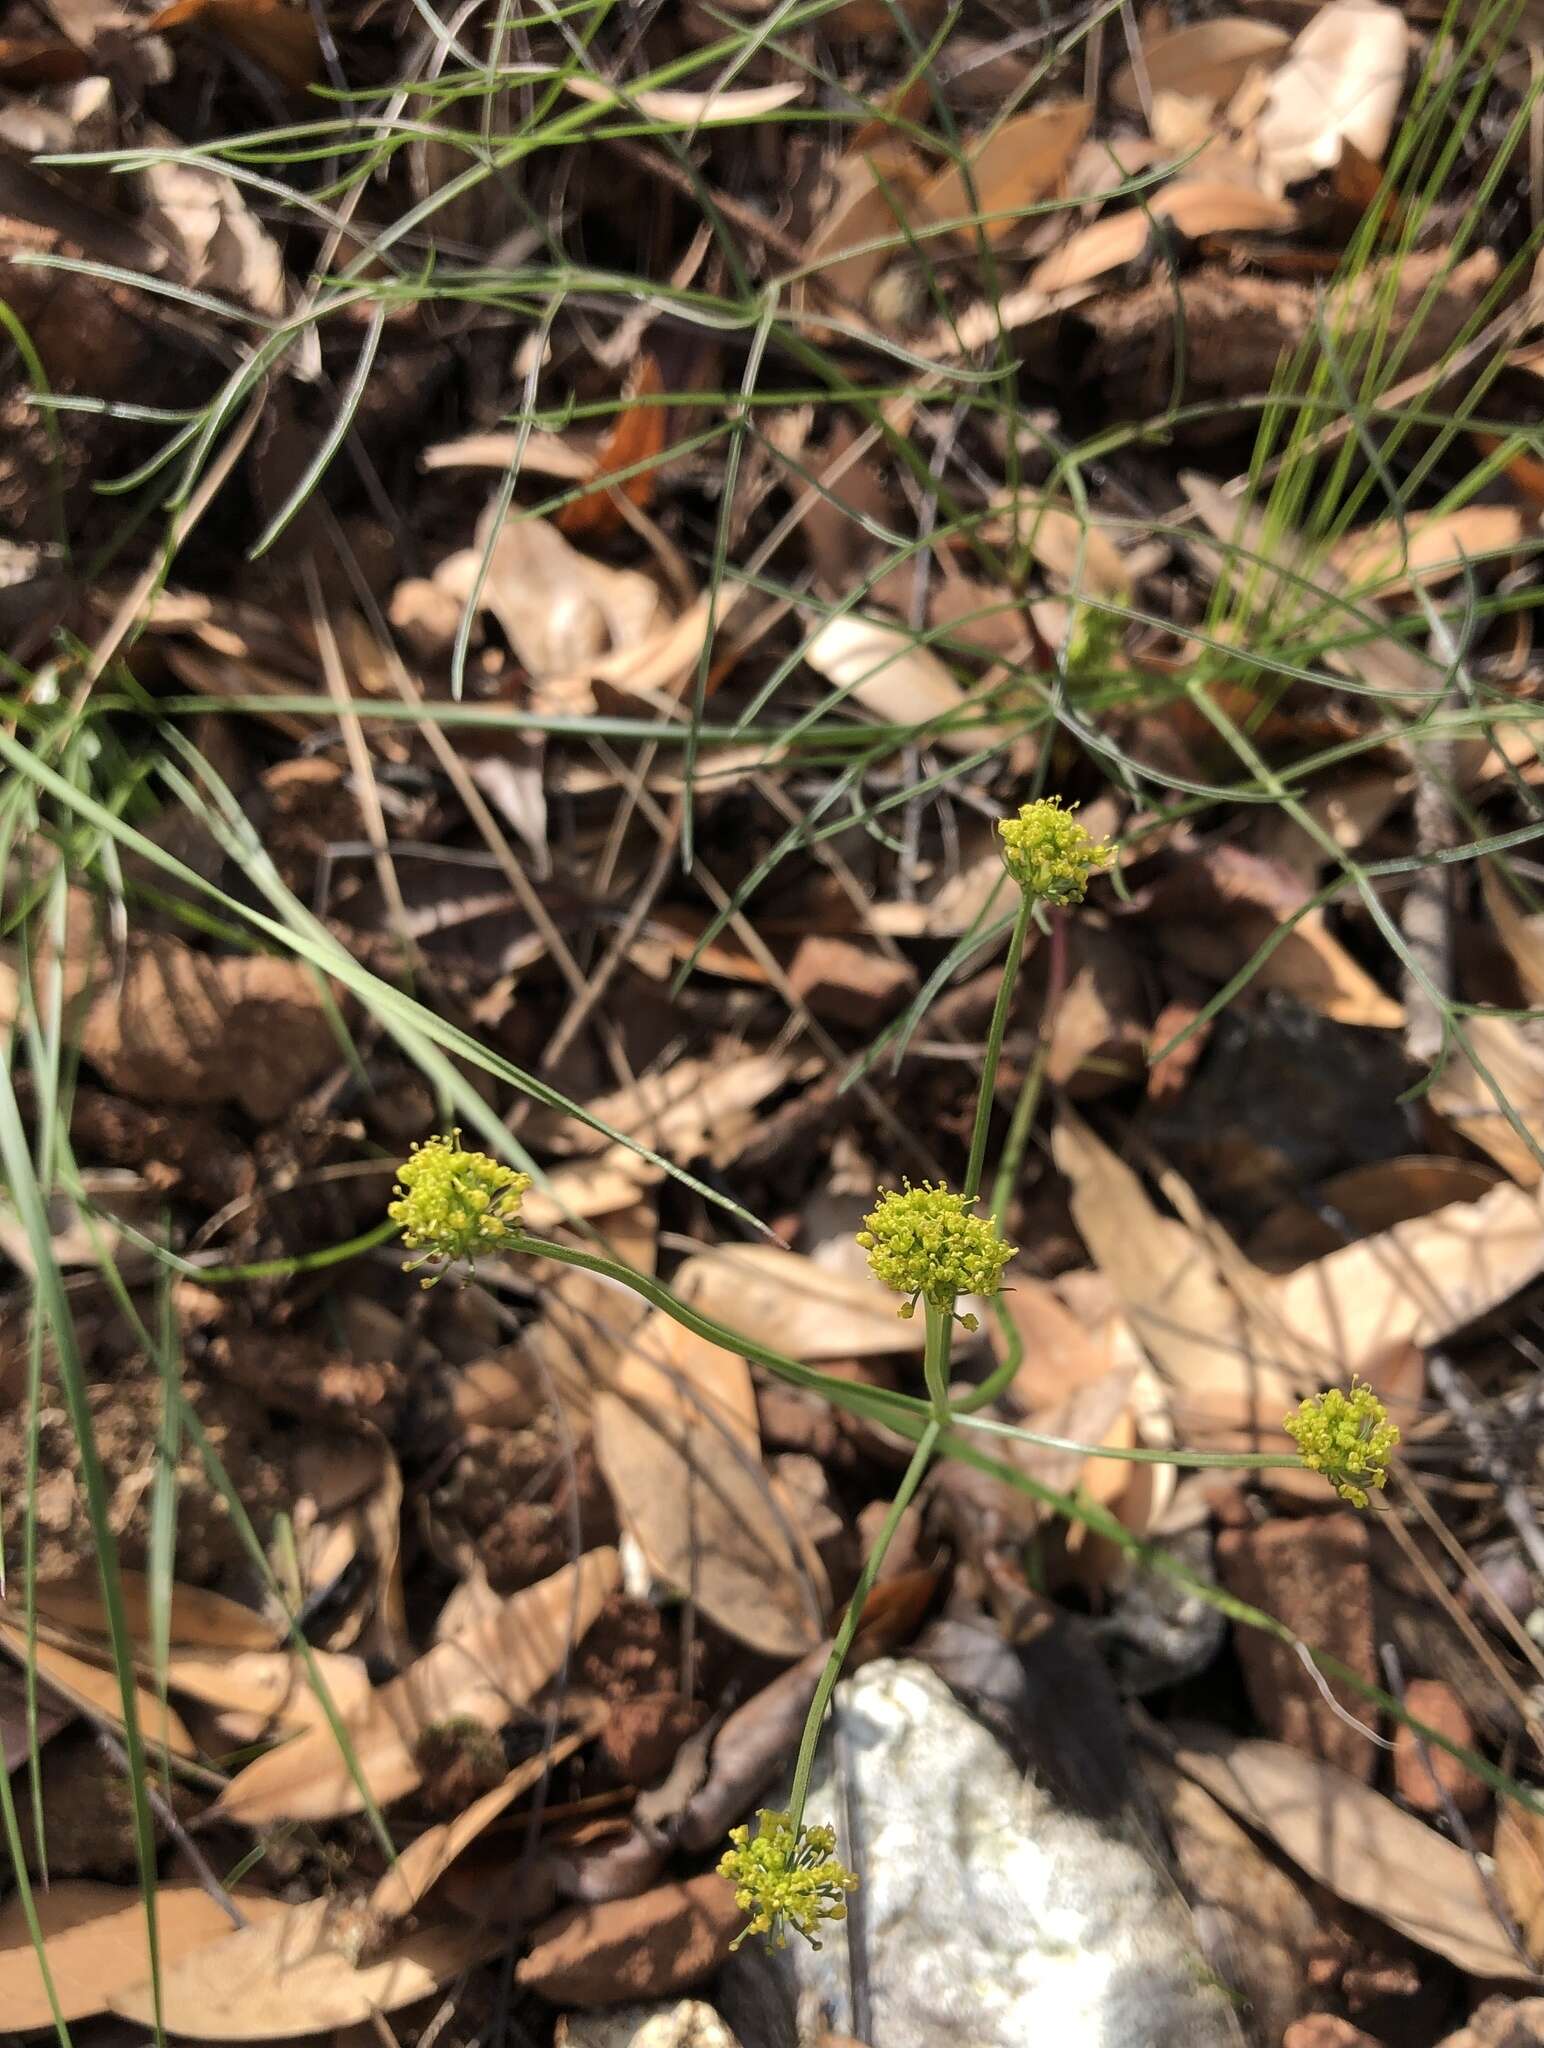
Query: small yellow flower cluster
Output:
(1049,854)
(924,1241)
(452,1204)
(1347,1437)
(786,1877)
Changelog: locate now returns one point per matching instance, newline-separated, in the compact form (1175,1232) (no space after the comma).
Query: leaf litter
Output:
(500,1534)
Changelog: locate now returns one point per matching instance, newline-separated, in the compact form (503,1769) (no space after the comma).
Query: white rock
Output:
(687,2024)
(989,1916)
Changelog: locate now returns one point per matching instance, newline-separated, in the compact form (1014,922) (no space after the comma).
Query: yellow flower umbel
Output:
(1048,853)
(925,1242)
(1347,1437)
(785,1877)
(452,1204)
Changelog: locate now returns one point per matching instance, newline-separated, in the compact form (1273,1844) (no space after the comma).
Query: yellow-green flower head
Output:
(1048,853)
(1347,1437)
(786,1877)
(924,1241)
(453,1204)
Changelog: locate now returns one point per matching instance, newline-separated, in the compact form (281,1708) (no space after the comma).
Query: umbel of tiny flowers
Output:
(925,1242)
(1049,854)
(1346,1437)
(452,1204)
(785,1876)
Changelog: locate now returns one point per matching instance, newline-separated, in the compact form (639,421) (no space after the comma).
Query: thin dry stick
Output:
(361,763)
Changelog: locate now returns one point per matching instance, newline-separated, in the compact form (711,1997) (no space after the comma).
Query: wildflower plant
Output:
(931,1244)
(1347,1437)
(1049,854)
(926,1244)
(453,1204)
(785,1876)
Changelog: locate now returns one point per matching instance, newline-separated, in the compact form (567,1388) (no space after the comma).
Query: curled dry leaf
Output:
(1019,163)
(224,247)
(677,1438)
(295,1974)
(807,1310)
(485,1673)
(895,677)
(559,609)
(690,109)
(598,1187)
(94,1938)
(1363,1847)
(1208,60)
(1341,82)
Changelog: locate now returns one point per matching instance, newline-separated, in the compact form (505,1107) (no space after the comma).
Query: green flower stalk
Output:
(1346,1437)
(1049,854)
(925,1243)
(786,1876)
(452,1204)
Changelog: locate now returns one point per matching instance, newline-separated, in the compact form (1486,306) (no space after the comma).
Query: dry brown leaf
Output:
(199,1620)
(1519,1854)
(424,1862)
(690,109)
(187,1028)
(1460,1095)
(597,1188)
(1104,245)
(1431,551)
(1180,1305)
(892,676)
(1208,60)
(1414,1284)
(870,187)
(808,1310)
(295,1975)
(1341,83)
(87,1686)
(697,1108)
(1367,1850)
(255,1692)
(349,1506)
(1196,206)
(677,1438)
(1075,552)
(484,1674)
(637,435)
(94,1937)
(1022,161)
(1522,935)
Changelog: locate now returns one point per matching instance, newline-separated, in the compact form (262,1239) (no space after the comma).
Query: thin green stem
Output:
(994,1046)
(935,1359)
(911,1479)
